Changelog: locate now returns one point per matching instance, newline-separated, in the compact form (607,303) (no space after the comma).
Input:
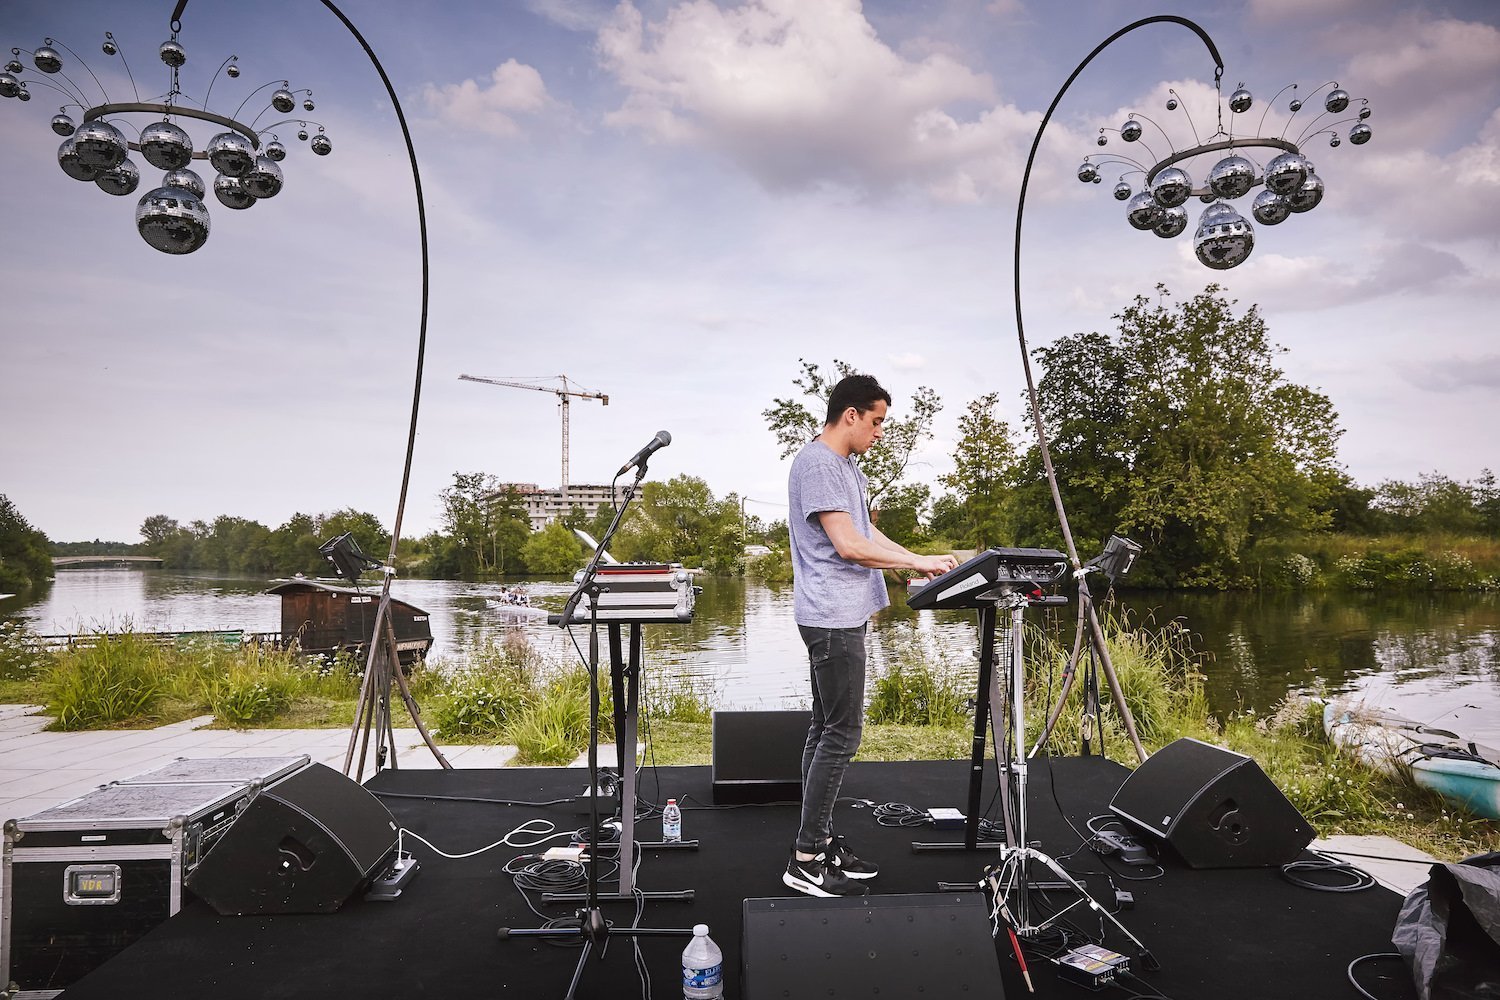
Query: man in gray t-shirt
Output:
(837,558)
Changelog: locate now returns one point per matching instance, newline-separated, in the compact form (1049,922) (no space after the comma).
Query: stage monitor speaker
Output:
(1213,807)
(758,756)
(934,944)
(305,844)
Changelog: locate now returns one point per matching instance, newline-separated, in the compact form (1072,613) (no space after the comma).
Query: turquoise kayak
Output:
(1462,771)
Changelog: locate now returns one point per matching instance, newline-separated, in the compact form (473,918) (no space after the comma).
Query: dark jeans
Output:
(836,662)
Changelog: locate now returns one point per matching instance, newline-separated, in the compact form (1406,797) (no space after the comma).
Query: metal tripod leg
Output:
(1011,879)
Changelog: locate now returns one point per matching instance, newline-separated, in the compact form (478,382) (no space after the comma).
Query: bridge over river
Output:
(65,562)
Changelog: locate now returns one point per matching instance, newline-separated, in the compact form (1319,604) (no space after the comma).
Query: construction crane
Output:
(562,393)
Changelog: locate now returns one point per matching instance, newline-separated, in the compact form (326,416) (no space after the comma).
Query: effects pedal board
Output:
(1092,966)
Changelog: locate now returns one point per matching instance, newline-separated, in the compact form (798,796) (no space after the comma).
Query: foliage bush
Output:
(553,726)
(773,567)
(117,679)
(480,704)
(916,688)
(125,678)
(243,699)
(1295,571)
(22,657)
(678,699)
(1157,669)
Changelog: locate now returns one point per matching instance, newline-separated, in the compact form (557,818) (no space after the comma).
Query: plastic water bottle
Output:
(671,823)
(702,967)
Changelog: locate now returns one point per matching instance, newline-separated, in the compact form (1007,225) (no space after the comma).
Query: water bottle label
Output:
(702,979)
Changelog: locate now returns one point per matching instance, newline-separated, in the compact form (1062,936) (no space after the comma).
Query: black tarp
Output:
(1449,931)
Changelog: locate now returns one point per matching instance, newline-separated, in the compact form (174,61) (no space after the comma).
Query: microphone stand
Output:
(593,930)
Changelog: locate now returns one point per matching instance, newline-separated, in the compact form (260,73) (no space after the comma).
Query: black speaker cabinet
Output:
(758,756)
(933,944)
(305,844)
(1215,808)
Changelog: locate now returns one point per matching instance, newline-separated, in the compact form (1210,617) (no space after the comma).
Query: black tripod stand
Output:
(382,667)
(1010,879)
(593,930)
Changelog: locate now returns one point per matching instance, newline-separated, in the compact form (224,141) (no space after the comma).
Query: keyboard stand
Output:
(625,687)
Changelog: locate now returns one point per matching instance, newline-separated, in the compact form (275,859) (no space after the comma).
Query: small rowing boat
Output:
(1460,770)
(518,612)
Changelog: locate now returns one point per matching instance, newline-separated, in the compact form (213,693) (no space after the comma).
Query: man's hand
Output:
(931,566)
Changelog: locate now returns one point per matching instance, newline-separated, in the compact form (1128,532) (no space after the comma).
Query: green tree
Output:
(903,512)
(468,517)
(510,527)
(1182,432)
(1487,502)
(25,552)
(1434,505)
(681,521)
(294,547)
(950,522)
(157,530)
(553,550)
(885,464)
(984,467)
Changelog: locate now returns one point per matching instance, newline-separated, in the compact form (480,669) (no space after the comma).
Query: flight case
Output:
(82,880)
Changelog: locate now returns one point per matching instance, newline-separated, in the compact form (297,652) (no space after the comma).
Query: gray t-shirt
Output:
(828,591)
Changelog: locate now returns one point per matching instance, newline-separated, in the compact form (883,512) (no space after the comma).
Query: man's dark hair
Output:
(858,391)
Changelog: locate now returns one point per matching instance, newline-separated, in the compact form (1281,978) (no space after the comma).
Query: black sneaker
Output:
(819,878)
(840,857)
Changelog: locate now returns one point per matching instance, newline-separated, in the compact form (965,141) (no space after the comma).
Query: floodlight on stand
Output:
(171,216)
(1229,167)
(345,554)
(1118,556)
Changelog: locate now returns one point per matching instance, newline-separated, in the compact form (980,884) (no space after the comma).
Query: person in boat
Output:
(837,557)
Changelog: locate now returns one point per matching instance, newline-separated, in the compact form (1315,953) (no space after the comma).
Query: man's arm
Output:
(878,551)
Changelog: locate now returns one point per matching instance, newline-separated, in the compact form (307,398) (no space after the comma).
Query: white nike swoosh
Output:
(818,880)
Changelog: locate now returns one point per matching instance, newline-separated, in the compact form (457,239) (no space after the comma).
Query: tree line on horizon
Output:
(1178,430)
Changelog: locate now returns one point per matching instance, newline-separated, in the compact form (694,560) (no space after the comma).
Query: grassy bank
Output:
(505,693)
(1387,562)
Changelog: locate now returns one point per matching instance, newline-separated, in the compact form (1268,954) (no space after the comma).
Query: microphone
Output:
(637,460)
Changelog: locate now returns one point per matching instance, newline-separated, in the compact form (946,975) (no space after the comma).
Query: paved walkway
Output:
(40,769)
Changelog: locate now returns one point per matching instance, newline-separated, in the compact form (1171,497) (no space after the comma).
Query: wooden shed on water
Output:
(324,618)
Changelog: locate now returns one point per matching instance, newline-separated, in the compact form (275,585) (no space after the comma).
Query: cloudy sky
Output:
(672,201)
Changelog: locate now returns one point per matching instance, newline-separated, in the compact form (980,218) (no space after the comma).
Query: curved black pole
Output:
(382,614)
(1085,605)
(1036,411)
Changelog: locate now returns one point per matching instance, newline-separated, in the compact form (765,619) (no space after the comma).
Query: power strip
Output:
(1131,851)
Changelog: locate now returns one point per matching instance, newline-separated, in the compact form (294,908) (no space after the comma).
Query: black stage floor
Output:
(1223,934)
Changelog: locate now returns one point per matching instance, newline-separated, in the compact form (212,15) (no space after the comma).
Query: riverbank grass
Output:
(506,693)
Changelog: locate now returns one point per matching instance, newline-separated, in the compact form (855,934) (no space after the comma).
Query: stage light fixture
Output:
(1229,168)
(1118,556)
(347,557)
(172,217)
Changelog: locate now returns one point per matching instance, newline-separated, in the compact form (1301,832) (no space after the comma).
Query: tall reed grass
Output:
(126,679)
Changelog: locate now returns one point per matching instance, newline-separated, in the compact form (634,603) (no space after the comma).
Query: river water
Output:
(1433,657)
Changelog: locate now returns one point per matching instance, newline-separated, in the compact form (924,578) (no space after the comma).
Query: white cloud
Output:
(1299,11)
(908,361)
(574,15)
(1457,373)
(1314,282)
(514,89)
(1450,197)
(802,94)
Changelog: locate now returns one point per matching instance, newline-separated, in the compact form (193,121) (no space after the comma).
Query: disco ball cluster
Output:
(1289,184)
(173,216)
